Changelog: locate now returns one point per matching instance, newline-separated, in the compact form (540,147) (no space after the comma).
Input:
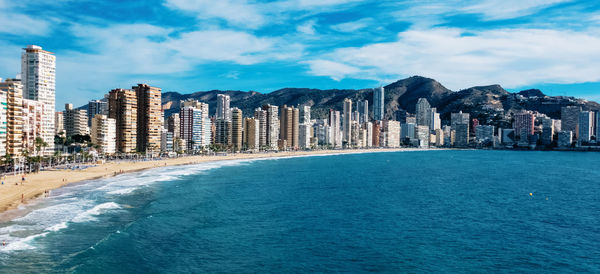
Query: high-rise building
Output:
(391,131)
(569,117)
(174,125)
(362,106)
(369,128)
(460,125)
(33,112)
(75,121)
(586,126)
(251,133)
(3,122)
(422,133)
(261,120)
(436,122)
(272,126)
(59,126)
(97,107)
(334,123)
(149,118)
(104,133)
(14,116)
(223,107)
(194,124)
(524,120)
(223,132)
(423,112)
(166,141)
(123,107)
(378,104)
(376,134)
(236,128)
(439,137)
(304,136)
(407,131)
(305,115)
(289,126)
(347,122)
(547,131)
(38,75)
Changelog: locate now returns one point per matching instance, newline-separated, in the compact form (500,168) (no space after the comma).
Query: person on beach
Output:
(3,243)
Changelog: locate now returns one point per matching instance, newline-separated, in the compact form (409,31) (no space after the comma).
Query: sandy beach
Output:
(13,192)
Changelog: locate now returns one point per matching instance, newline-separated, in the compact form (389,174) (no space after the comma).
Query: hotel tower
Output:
(38,76)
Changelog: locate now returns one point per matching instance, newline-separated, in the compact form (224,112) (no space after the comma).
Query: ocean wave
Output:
(89,215)
(18,244)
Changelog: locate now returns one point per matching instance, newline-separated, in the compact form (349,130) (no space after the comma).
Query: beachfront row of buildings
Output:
(132,121)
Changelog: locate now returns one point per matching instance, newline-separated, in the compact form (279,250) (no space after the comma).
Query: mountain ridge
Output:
(491,104)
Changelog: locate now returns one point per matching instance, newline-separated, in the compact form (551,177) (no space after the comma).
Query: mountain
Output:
(490,104)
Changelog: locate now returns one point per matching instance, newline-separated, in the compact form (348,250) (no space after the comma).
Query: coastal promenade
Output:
(15,191)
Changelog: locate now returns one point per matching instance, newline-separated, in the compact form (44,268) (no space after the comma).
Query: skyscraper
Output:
(38,75)
(223,107)
(3,123)
(362,106)
(195,124)
(272,125)
(436,122)
(289,126)
(236,128)
(569,117)
(123,107)
(261,119)
(251,133)
(149,118)
(378,103)
(334,122)
(14,116)
(423,112)
(524,122)
(347,122)
(305,115)
(460,125)
(586,122)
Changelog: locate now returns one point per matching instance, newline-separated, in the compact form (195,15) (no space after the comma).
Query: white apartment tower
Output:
(38,76)
(223,107)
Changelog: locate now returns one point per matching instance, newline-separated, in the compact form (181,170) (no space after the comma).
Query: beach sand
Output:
(13,193)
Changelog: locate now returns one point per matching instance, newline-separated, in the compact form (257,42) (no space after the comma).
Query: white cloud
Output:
(511,57)
(506,9)
(240,13)
(252,14)
(352,26)
(307,28)
(337,71)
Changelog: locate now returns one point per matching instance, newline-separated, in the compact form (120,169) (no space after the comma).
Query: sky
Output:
(264,45)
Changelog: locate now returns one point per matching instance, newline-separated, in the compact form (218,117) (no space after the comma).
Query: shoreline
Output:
(36,184)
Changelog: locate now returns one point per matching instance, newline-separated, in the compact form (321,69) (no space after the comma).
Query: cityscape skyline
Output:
(494,42)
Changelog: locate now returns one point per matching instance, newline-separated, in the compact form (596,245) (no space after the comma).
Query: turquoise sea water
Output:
(440,211)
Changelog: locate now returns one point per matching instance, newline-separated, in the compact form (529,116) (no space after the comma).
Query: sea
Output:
(414,211)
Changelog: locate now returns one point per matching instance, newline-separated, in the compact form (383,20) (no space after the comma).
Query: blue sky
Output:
(196,45)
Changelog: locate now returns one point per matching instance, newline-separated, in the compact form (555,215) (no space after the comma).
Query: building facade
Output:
(104,134)
(149,118)
(38,76)
(122,106)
